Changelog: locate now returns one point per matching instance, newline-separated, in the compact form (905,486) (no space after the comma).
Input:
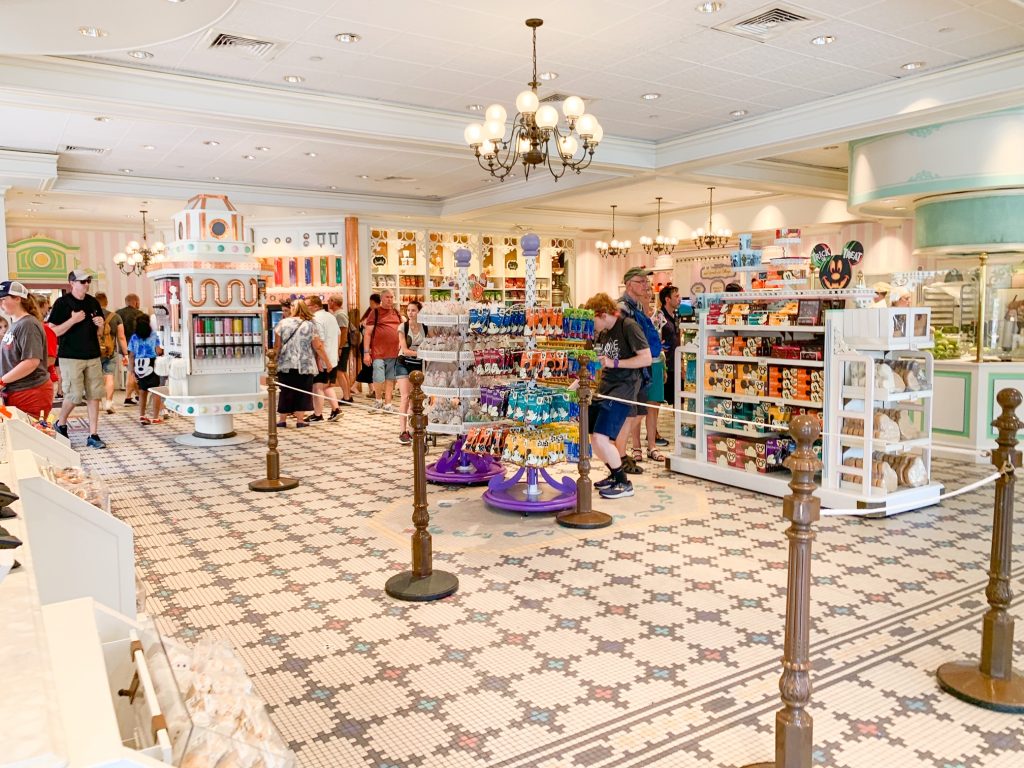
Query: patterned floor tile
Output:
(654,642)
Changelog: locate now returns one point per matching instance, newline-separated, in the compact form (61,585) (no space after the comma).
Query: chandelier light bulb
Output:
(158,246)
(547,117)
(585,125)
(573,107)
(474,134)
(489,149)
(646,241)
(598,133)
(120,258)
(497,113)
(524,144)
(494,130)
(568,145)
(133,245)
(527,102)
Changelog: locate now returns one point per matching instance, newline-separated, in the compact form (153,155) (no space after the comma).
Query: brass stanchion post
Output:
(993,684)
(422,583)
(584,515)
(794,727)
(273,481)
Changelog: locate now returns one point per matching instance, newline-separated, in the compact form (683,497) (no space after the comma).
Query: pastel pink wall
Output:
(97,248)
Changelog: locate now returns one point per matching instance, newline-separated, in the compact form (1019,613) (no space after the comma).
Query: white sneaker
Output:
(108,406)
(378,405)
(389,408)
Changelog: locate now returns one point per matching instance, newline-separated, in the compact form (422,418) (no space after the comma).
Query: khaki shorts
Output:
(81,379)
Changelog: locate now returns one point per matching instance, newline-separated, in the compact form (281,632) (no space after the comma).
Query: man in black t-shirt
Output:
(76,318)
(623,351)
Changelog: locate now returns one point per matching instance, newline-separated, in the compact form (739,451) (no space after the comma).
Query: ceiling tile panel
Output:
(996,41)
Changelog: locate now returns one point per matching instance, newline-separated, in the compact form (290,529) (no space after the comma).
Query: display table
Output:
(965,392)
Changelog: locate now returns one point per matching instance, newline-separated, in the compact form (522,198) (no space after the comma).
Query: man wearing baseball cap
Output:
(76,318)
(634,303)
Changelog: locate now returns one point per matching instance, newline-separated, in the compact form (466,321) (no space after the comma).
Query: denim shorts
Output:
(109,365)
(384,369)
(611,415)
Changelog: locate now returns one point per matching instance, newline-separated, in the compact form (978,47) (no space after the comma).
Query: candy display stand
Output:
(209,288)
(456,466)
(539,492)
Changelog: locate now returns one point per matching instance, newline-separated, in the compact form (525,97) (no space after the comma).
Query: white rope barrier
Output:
(770,427)
(908,506)
(370,408)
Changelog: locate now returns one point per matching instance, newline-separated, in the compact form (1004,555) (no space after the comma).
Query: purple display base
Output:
(456,467)
(531,496)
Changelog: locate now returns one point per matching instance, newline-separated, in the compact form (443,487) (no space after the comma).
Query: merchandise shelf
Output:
(766,328)
(884,395)
(767,360)
(445,356)
(453,392)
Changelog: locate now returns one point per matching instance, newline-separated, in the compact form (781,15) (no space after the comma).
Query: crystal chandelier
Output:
(135,258)
(615,247)
(534,131)
(659,244)
(711,238)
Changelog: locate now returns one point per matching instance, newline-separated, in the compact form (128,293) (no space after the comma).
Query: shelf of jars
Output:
(419,265)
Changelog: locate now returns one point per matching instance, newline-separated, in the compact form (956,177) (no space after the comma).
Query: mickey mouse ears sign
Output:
(835,273)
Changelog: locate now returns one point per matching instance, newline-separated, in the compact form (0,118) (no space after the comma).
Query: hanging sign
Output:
(379,261)
(853,252)
(697,288)
(717,270)
(835,273)
(717,286)
(820,254)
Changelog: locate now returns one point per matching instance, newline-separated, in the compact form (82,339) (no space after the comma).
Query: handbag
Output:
(162,366)
(410,362)
(365,375)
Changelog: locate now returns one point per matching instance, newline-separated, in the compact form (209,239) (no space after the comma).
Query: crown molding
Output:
(777,176)
(36,170)
(973,88)
(97,87)
(177,189)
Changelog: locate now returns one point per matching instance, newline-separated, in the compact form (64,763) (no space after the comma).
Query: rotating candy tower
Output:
(208,295)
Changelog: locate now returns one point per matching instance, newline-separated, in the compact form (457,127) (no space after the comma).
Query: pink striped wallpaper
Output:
(97,251)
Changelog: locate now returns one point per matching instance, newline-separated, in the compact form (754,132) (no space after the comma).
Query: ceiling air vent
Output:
(397,178)
(250,46)
(766,23)
(75,149)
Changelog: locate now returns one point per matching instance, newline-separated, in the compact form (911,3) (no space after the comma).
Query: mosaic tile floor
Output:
(655,642)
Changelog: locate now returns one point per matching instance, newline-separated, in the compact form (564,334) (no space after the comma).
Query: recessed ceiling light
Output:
(248,157)
(92,32)
(362,176)
(900,208)
(475,107)
(316,58)
(302,213)
(212,143)
(140,54)
(348,37)
(823,40)
(125,170)
(651,96)
(311,154)
(332,187)
(548,75)
(102,119)
(738,113)
(148,146)
(216,178)
(710,7)
(912,65)
(294,79)
(263,149)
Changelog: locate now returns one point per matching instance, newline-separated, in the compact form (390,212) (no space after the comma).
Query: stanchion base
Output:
(205,442)
(281,484)
(591,519)
(966,681)
(405,586)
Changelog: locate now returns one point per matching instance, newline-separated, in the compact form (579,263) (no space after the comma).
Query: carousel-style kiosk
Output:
(207,301)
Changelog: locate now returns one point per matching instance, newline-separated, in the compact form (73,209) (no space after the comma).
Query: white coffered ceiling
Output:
(391,107)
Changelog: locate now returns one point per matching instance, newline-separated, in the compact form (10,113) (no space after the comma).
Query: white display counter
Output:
(965,393)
